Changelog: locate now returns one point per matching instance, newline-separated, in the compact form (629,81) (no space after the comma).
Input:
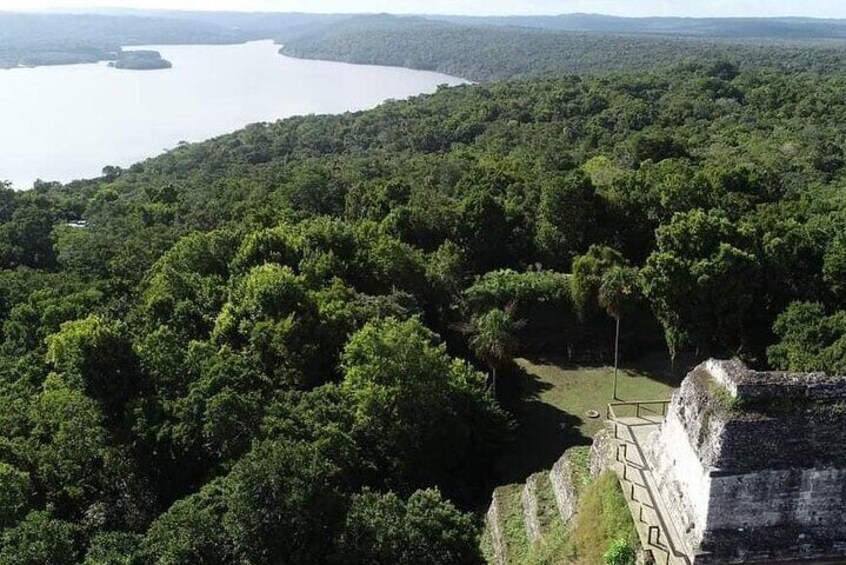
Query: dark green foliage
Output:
(421,416)
(141,60)
(114,548)
(15,490)
(40,539)
(384,529)
(251,352)
(701,281)
(810,339)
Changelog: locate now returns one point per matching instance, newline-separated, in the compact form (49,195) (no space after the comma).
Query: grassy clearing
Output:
(556,398)
(603,517)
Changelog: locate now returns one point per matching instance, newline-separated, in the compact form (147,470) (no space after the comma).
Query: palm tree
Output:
(493,338)
(616,293)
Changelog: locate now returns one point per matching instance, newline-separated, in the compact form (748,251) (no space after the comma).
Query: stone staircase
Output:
(659,536)
(524,515)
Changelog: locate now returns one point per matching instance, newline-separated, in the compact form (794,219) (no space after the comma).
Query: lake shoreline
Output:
(94,117)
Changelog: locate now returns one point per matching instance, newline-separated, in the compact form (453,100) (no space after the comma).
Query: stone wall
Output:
(752,465)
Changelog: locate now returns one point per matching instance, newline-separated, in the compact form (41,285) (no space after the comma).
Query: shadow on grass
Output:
(657,366)
(654,365)
(544,432)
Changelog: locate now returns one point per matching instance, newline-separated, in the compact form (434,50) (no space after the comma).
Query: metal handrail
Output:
(669,548)
(610,413)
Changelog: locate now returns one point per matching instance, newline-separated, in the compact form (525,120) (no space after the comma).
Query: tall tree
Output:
(617,291)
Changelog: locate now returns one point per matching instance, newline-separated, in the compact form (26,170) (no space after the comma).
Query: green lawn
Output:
(556,397)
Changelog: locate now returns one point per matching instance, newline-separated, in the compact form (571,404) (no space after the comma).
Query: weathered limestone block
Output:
(529,500)
(564,488)
(494,527)
(602,452)
(752,465)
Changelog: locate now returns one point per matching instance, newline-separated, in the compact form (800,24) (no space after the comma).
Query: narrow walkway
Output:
(655,528)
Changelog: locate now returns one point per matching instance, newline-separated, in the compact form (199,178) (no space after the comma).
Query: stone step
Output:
(506,526)
(493,542)
(529,501)
(548,516)
(561,478)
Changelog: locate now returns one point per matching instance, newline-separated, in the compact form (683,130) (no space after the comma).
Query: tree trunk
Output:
(616,356)
(493,381)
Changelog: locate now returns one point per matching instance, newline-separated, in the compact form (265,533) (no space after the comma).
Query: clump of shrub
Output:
(620,552)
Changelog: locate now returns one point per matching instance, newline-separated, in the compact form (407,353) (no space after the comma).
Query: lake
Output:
(68,122)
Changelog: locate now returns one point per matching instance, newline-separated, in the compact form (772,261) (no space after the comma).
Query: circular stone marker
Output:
(592,414)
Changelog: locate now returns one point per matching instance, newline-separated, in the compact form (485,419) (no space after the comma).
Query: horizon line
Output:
(55,10)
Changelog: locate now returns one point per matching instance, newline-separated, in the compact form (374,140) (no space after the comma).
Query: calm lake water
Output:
(68,122)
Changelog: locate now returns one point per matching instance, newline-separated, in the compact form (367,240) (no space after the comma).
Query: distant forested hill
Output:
(729,28)
(51,39)
(483,53)
(476,48)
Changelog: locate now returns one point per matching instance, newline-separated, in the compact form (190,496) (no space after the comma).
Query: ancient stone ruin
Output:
(751,466)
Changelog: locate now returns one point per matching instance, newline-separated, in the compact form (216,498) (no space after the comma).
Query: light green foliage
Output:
(95,356)
(185,287)
(190,531)
(494,336)
(602,171)
(263,306)
(70,443)
(29,323)
(620,552)
(277,245)
(498,289)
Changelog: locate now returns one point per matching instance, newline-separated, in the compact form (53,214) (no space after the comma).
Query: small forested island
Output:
(141,60)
